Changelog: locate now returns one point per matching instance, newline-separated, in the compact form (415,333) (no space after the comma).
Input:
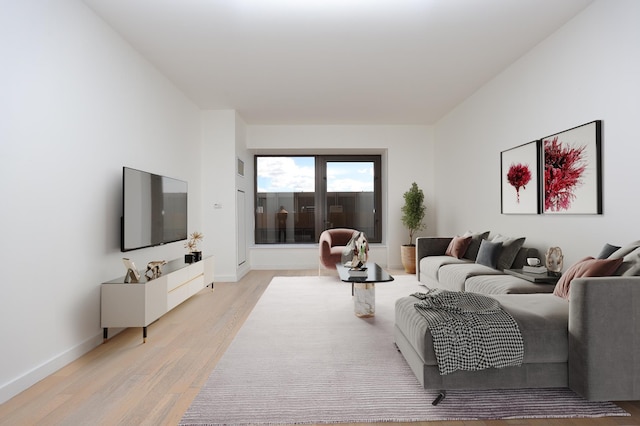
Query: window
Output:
(297,197)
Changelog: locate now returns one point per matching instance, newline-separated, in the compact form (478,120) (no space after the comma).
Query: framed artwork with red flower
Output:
(520,182)
(572,171)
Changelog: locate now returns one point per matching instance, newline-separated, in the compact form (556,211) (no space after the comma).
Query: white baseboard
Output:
(10,389)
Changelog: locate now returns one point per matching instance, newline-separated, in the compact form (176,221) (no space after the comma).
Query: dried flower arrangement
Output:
(192,242)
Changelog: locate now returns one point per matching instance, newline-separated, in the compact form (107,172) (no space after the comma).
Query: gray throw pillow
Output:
(607,251)
(488,253)
(510,249)
(474,246)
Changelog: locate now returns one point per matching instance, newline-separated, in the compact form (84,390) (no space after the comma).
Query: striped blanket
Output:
(470,331)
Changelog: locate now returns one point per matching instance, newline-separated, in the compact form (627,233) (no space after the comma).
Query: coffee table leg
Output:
(364,299)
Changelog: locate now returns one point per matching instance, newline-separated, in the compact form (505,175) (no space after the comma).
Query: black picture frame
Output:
(571,170)
(520,180)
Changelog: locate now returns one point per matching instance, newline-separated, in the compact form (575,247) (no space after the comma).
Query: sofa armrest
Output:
(604,338)
(325,242)
(430,246)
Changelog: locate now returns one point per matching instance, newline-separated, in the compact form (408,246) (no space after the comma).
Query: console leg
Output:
(144,334)
(105,334)
(439,398)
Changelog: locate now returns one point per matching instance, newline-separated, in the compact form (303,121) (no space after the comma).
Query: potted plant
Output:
(413,213)
(192,245)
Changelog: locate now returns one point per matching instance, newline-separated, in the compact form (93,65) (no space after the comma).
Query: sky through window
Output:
(297,174)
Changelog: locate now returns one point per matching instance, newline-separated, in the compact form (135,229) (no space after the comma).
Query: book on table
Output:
(534,269)
(357,272)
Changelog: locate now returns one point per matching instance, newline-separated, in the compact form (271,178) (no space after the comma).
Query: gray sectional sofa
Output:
(589,342)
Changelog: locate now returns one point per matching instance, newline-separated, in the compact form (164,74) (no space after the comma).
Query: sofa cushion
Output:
(542,319)
(453,276)
(458,246)
(489,253)
(625,250)
(474,246)
(430,265)
(607,251)
(587,267)
(510,248)
(630,264)
(521,257)
(504,284)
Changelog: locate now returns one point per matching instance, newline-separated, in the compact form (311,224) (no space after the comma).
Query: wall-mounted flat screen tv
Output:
(154,209)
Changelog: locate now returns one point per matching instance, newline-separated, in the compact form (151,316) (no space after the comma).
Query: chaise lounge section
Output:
(542,319)
(590,344)
(584,336)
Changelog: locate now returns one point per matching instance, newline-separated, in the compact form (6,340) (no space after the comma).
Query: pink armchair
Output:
(331,245)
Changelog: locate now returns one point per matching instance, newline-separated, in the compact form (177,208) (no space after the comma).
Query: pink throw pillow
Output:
(587,267)
(458,246)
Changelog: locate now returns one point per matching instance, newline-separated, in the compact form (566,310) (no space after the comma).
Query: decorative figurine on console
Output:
(133,276)
(155,267)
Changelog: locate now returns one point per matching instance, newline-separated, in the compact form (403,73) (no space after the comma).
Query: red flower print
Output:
(518,176)
(563,169)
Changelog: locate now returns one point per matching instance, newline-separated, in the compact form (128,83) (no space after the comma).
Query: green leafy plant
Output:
(413,210)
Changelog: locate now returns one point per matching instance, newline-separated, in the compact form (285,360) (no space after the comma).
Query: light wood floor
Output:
(126,382)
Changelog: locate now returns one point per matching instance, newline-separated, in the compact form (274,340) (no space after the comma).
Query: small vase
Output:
(197,256)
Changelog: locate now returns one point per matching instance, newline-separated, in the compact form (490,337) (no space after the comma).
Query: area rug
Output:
(303,357)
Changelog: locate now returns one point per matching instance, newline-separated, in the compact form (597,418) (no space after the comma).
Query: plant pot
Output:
(408,255)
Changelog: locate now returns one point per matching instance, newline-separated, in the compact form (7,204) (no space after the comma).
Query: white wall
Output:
(588,70)
(77,104)
(408,156)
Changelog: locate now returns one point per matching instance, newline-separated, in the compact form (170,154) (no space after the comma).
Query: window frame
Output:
(320,194)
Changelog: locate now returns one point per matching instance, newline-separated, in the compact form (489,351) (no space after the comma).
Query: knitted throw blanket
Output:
(470,331)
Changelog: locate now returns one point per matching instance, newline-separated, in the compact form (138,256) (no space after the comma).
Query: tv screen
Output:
(154,209)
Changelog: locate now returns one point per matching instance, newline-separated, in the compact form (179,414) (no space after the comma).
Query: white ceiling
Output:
(334,61)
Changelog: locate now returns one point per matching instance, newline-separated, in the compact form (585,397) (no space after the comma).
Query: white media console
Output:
(140,304)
